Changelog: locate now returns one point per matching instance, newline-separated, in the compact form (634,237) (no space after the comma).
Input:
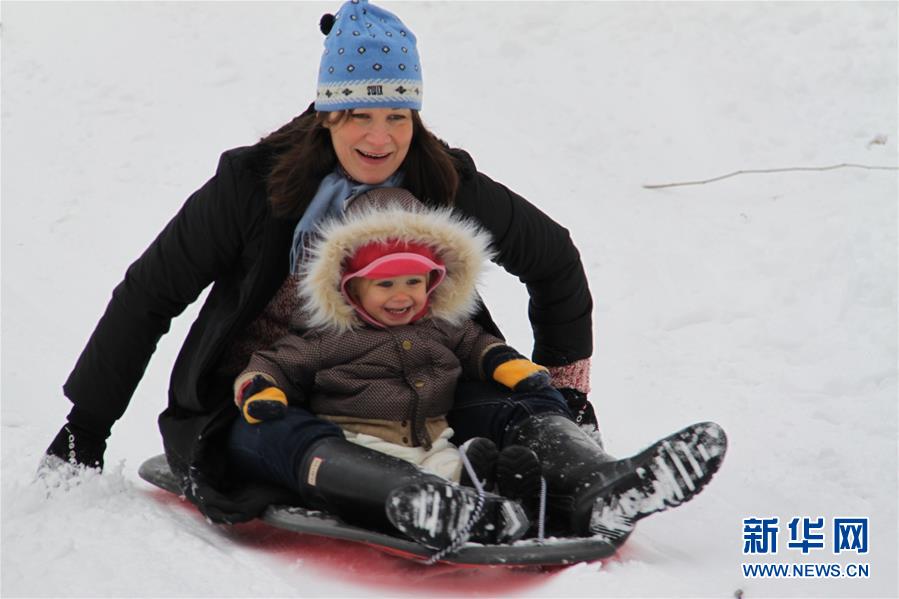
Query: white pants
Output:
(443,459)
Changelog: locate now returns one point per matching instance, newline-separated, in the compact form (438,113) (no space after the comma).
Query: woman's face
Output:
(371,143)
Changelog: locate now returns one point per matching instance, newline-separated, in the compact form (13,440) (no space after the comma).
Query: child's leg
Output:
(442,459)
(273,451)
(363,486)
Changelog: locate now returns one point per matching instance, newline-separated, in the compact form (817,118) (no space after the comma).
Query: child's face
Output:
(394,301)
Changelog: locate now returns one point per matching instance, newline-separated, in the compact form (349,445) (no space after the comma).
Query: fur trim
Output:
(462,246)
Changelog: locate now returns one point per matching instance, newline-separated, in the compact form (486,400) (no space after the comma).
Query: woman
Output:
(245,232)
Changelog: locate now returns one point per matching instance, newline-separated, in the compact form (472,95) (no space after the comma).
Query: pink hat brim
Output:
(395,265)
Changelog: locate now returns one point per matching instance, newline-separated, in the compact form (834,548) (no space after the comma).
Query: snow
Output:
(764,302)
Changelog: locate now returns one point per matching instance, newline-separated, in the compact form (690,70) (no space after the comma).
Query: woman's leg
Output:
(487,410)
(589,491)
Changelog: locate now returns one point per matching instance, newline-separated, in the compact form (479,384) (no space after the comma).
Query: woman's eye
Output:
(412,282)
(361,116)
(397,117)
(385,284)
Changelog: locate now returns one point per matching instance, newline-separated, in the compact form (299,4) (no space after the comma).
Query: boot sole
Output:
(667,474)
(435,515)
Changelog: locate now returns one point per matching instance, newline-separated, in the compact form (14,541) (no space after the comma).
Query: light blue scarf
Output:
(331,198)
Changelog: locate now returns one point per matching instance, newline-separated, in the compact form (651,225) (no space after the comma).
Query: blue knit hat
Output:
(370,61)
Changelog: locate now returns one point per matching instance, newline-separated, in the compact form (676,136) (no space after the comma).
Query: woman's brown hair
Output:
(303,156)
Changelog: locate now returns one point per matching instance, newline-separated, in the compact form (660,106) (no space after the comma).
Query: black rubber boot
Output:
(442,514)
(519,477)
(518,472)
(378,491)
(482,454)
(589,492)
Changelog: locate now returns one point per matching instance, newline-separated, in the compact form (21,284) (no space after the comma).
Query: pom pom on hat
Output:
(326,23)
(370,61)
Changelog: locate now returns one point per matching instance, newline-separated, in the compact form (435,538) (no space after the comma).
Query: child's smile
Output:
(394,301)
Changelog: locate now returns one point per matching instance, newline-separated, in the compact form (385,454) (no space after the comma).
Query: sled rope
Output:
(541,520)
(461,537)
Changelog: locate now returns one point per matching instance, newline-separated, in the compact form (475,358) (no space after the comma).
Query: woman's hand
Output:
(580,407)
(78,447)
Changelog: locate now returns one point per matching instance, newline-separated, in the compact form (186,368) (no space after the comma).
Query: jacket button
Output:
(405,423)
(419,384)
(407,345)
(406,440)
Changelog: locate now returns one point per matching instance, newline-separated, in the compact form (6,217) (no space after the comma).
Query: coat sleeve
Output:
(290,364)
(540,252)
(470,343)
(203,241)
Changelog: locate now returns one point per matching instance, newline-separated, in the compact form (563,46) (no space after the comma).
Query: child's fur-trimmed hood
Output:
(391,213)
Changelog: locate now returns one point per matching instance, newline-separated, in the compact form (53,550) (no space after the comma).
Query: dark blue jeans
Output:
(488,410)
(273,451)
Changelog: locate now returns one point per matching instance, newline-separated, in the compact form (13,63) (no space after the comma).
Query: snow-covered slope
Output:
(765,302)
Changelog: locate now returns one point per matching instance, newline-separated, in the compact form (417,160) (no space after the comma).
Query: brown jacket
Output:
(396,383)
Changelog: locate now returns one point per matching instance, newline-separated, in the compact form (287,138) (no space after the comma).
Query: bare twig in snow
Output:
(879,140)
(771,170)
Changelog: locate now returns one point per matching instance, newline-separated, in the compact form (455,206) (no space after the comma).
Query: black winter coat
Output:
(226,235)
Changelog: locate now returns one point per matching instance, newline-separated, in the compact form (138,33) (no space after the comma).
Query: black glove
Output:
(580,407)
(216,506)
(78,446)
(242,504)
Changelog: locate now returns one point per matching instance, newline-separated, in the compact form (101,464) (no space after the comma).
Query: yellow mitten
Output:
(260,401)
(513,370)
(521,375)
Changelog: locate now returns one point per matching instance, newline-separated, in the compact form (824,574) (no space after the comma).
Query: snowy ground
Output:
(765,302)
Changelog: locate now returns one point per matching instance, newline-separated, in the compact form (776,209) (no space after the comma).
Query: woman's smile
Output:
(371,143)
